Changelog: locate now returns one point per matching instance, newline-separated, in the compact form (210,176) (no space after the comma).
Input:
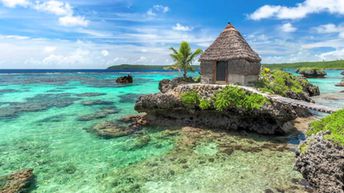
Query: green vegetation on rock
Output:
(190,99)
(232,96)
(333,123)
(229,97)
(205,104)
(279,82)
(338,64)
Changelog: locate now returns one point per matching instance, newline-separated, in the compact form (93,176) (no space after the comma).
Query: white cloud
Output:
(105,53)
(330,28)
(73,21)
(49,49)
(265,11)
(288,28)
(54,7)
(333,55)
(300,10)
(77,57)
(156,9)
(14,3)
(75,54)
(60,8)
(180,27)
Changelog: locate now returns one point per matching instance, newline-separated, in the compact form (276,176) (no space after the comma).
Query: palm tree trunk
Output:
(185,74)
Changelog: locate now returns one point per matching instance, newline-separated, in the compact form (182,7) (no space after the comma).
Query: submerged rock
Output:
(3,91)
(135,121)
(38,103)
(109,130)
(19,182)
(128,98)
(104,112)
(96,102)
(166,84)
(90,94)
(125,79)
(321,162)
(312,73)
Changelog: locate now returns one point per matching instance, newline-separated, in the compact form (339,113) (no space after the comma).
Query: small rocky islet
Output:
(169,107)
(312,72)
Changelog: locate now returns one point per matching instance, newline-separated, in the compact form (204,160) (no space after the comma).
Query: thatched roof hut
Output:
(230,60)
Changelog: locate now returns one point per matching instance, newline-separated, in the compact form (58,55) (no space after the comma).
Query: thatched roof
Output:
(230,45)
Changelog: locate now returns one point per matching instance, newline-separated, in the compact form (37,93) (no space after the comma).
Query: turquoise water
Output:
(39,129)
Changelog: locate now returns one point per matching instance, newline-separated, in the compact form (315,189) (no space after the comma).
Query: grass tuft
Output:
(333,123)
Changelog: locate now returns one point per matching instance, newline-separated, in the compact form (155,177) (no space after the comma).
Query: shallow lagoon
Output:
(47,136)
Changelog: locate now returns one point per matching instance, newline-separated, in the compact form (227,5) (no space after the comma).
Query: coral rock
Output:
(322,164)
(125,79)
(18,182)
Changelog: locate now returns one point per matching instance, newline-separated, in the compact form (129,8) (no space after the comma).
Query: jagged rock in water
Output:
(109,130)
(125,79)
(342,73)
(321,162)
(135,121)
(167,109)
(309,88)
(166,84)
(19,182)
(340,84)
(312,73)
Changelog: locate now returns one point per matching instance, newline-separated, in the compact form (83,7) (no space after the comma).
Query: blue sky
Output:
(99,33)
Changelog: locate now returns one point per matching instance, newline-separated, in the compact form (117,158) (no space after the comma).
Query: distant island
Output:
(142,67)
(338,64)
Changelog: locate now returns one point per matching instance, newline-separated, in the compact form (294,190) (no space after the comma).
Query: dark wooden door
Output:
(221,71)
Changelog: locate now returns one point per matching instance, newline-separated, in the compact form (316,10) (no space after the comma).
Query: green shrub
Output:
(190,98)
(333,123)
(279,82)
(197,78)
(232,96)
(205,104)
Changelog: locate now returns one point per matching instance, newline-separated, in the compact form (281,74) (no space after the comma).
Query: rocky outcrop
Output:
(312,73)
(167,109)
(166,84)
(309,88)
(19,182)
(125,79)
(321,162)
(340,84)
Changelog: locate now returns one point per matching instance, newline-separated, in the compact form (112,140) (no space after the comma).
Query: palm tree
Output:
(183,58)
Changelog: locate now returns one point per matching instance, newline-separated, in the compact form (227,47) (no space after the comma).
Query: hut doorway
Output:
(221,71)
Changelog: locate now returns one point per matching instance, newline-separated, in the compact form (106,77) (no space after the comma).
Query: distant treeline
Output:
(143,67)
(338,64)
